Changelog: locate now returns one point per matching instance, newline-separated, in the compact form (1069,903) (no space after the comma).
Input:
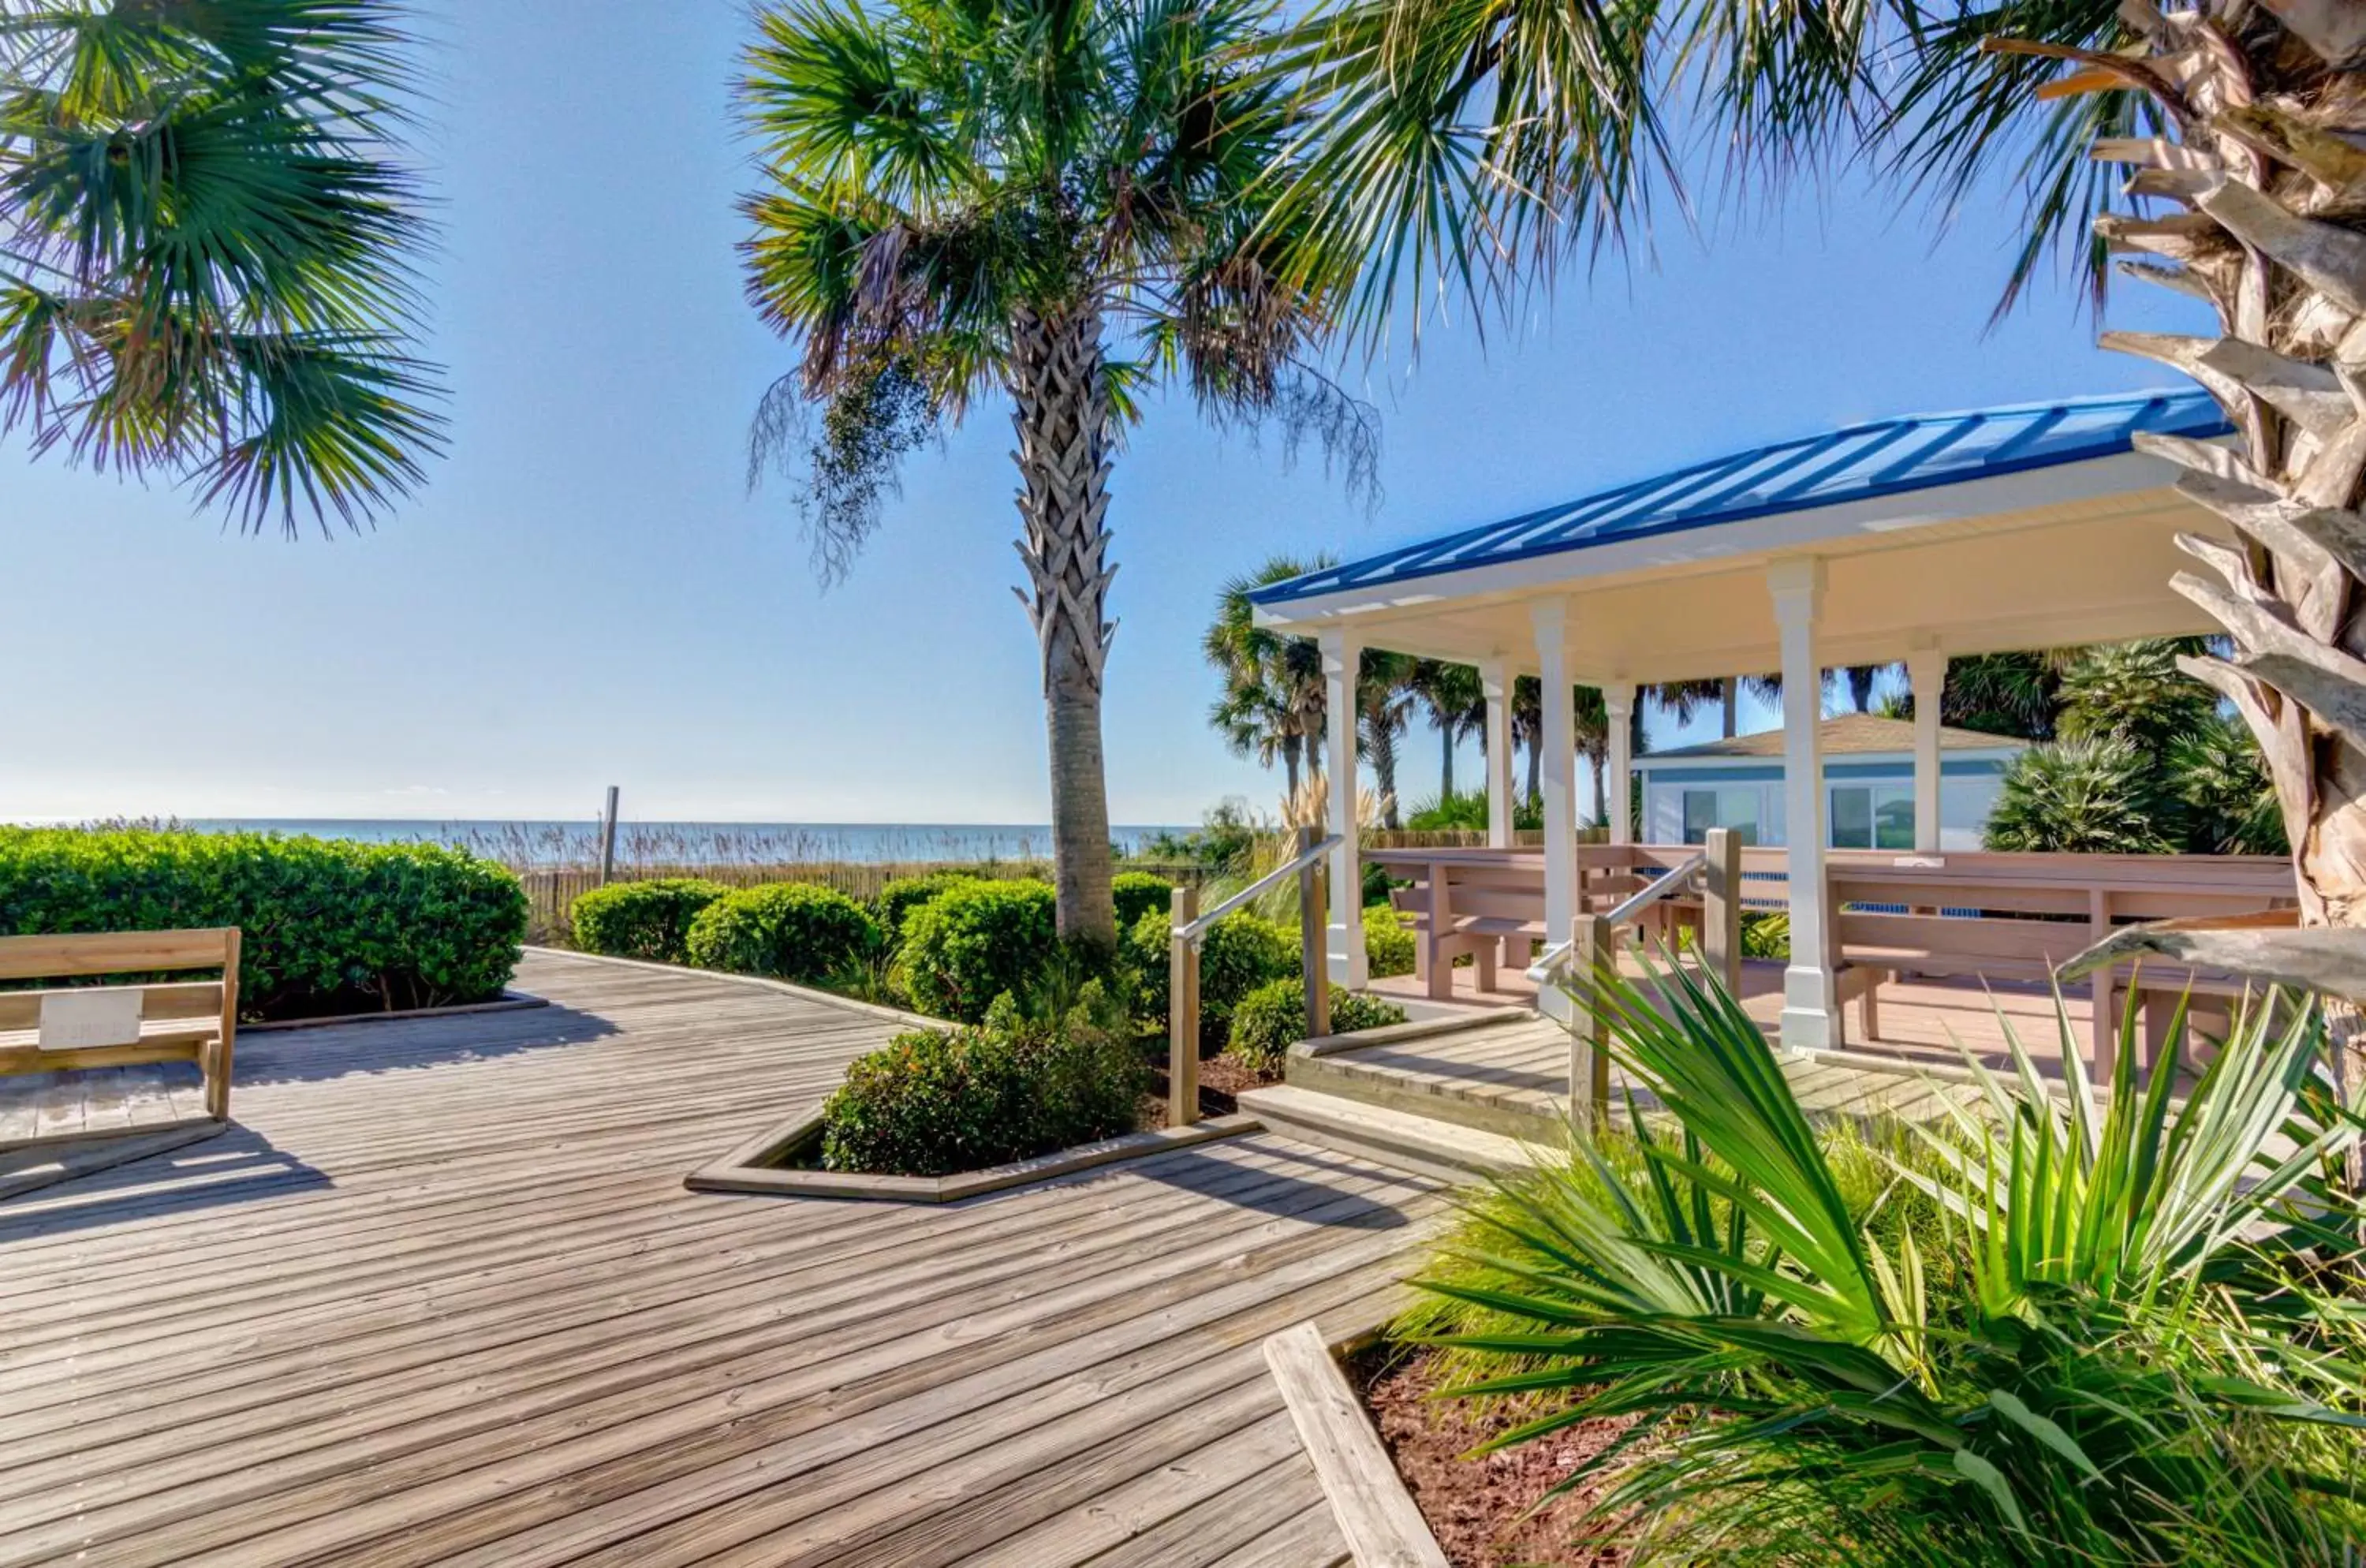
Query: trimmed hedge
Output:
(1387,945)
(642,919)
(327,926)
(933,1103)
(788,931)
(1137,893)
(1272,1019)
(906,894)
(1239,953)
(975,941)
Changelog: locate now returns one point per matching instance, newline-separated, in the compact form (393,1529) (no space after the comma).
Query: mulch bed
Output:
(1474,1505)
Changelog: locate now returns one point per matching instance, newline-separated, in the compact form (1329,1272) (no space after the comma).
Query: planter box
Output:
(760,1165)
(1382,1524)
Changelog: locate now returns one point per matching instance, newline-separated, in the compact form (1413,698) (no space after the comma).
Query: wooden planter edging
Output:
(1382,1524)
(754,1166)
(507,1001)
(765,982)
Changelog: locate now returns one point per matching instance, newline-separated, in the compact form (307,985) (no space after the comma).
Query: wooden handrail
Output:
(1198,928)
(1189,929)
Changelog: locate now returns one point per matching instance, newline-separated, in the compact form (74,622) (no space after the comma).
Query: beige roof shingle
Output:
(1853,732)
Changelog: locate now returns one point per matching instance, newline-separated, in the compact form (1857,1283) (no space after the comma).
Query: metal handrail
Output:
(1199,928)
(1678,878)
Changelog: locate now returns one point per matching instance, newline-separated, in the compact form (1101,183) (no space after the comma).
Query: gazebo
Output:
(1909,540)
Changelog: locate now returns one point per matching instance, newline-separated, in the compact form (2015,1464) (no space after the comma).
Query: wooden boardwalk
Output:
(441,1297)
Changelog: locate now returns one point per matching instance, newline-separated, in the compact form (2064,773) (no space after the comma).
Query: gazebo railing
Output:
(1189,931)
(1593,945)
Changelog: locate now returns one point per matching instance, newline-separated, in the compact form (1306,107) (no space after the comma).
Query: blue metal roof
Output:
(1865,461)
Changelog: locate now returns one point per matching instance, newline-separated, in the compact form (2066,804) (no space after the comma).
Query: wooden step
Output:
(1431,1099)
(1421,1143)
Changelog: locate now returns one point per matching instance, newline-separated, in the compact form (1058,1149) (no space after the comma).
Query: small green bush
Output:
(975,941)
(2093,796)
(1272,1019)
(327,926)
(906,894)
(1239,953)
(1387,945)
(936,1102)
(1138,892)
(642,919)
(788,930)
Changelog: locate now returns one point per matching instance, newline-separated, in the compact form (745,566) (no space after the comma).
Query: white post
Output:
(1619,811)
(1551,618)
(1495,680)
(1809,1019)
(1926,677)
(1343,937)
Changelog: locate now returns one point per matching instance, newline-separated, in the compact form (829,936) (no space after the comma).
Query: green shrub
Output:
(1767,933)
(976,942)
(1272,1019)
(642,919)
(2096,796)
(935,1102)
(1239,953)
(906,894)
(1387,945)
(788,930)
(1138,892)
(327,926)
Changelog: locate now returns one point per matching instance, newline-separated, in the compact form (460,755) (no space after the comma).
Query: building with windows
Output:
(1868,769)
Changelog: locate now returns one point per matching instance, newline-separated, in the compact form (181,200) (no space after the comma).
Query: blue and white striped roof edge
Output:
(1861,462)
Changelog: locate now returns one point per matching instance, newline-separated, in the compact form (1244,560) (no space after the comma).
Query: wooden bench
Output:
(1489,905)
(1913,914)
(128,1024)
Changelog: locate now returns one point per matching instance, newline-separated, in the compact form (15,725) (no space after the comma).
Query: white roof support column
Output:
(1551,618)
(1344,934)
(1495,680)
(1617,778)
(1926,677)
(1811,1020)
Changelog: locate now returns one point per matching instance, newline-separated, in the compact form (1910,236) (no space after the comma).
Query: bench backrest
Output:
(75,956)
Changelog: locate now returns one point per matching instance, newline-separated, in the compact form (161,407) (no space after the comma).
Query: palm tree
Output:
(1273,703)
(1059,200)
(1457,702)
(1383,707)
(205,223)
(1467,143)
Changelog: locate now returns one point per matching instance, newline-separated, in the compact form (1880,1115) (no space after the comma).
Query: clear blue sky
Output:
(585,595)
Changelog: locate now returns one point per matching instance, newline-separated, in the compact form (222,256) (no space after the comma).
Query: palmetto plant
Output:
(1057,200)
(2060,1331)
(205,222)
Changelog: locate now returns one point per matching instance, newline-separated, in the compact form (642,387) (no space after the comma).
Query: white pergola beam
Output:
(1619,811)
(1811,1020)
(1344,935)
(1550,618)
(1926,677)
(1495,679)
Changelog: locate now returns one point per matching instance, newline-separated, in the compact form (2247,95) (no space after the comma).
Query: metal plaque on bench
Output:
(73,1021)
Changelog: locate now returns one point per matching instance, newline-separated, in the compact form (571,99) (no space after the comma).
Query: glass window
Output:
(1734,807)
(1873,816)
(1893,819)
(1852,817)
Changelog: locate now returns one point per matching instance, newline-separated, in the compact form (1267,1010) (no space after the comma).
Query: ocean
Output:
(559,843)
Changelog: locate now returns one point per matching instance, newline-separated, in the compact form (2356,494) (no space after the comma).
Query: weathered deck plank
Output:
(441,1297)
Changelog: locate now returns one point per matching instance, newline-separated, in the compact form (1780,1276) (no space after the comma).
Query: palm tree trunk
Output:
(1380,748)
(1290,747)
(1536,768)
(1059,399)
(1446,769)
(1730,700)
(1861,678)
(2252,169)
(1601,801)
